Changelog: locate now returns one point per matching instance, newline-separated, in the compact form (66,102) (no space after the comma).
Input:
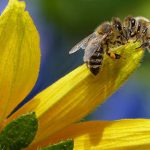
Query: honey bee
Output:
(138,29)
(112,34)
(119,33)
(95,45)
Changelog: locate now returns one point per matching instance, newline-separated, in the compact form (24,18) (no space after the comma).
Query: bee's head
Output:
(144,23)
(118,29)
(146,29)
(130,22)
(104,28)
(117,25)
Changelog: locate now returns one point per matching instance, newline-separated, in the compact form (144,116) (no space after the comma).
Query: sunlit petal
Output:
(105,135)
(19,56)
(79,92)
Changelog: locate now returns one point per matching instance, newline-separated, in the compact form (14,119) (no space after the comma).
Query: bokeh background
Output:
(62,23)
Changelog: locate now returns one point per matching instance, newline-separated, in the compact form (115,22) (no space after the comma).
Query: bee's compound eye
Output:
(133,22)
(118,26)
(139,28)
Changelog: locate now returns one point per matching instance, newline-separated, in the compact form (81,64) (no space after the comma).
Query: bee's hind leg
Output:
(113,55)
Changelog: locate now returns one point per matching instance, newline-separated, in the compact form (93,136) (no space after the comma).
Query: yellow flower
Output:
(128,134)
(70,98)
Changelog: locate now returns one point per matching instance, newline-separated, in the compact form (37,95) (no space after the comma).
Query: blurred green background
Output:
(76,17)
(63,23)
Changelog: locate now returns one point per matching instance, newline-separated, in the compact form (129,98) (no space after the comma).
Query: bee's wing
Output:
(82,44)
(93,45)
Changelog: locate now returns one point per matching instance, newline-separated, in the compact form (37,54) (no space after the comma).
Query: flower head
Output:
(67,100)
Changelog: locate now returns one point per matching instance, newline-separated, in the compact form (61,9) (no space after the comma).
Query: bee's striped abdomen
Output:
(95,61)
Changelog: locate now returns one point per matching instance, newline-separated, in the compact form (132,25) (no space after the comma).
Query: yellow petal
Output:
(78,93)
(19,56)
(105,135)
